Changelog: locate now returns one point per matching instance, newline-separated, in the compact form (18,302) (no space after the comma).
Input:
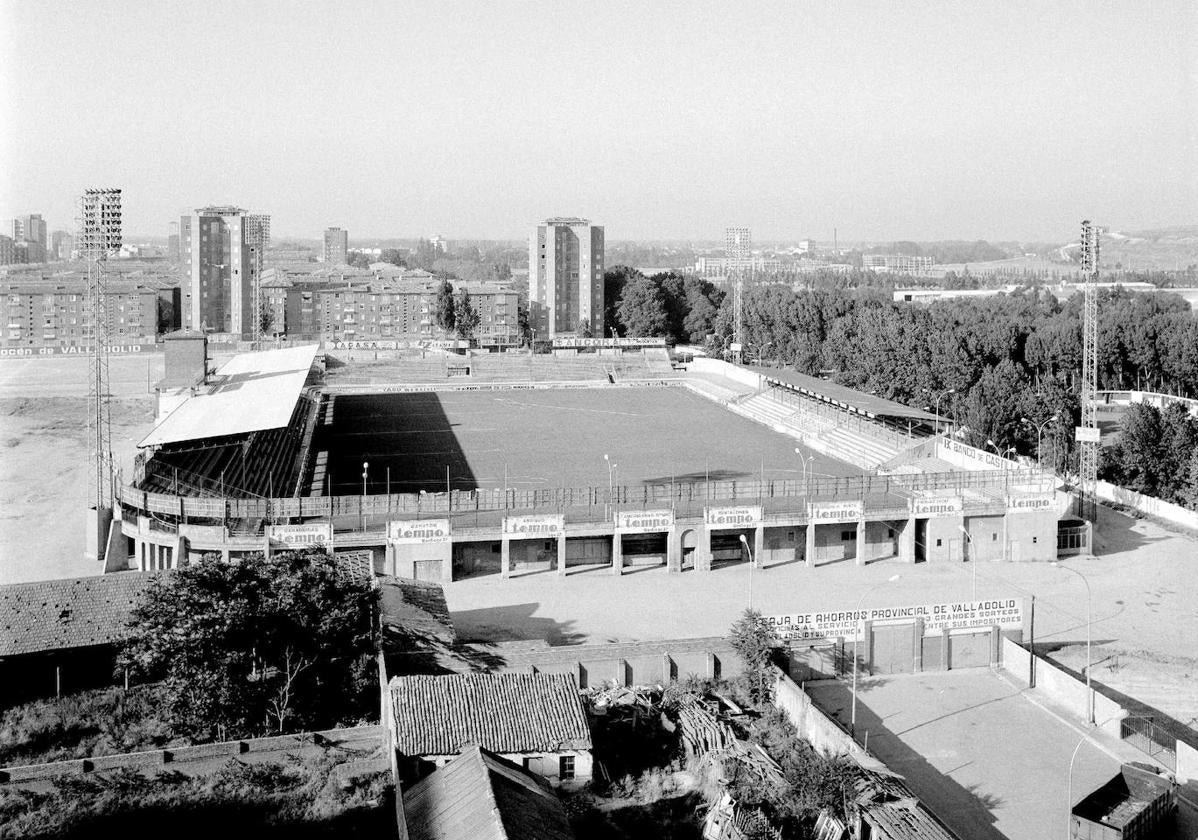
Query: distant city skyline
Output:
(886,121)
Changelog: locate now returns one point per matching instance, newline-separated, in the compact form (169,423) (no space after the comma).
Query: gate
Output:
(1152,740)
(892,650)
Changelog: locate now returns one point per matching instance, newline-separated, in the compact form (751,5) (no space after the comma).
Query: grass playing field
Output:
(550,439)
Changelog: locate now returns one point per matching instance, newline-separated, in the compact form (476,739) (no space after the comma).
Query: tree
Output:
(754,639)
(357,259)
(465,316)
(523,325)
(257,645)
(584,329)
(266,320)
(394,256)
(446,310)
(642,309)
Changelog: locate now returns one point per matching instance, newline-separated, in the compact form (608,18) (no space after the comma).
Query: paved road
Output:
(988,760)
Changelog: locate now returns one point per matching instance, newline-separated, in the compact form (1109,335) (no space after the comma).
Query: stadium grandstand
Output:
(445,465)
(240,433)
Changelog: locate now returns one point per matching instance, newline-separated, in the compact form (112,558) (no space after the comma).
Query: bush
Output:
(255,802)
(88,723)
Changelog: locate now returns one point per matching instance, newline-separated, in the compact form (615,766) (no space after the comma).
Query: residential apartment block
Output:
(565,278)
(353,306)
(52,313)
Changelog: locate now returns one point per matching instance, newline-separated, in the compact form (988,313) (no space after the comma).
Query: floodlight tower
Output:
(738,252)
(1087,434)
(99,237)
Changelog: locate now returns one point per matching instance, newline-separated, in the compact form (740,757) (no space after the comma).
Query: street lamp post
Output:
(365,473)
(1089,627)
(611,468)
(745,542)
(1039,427)
(806,462)
(856,635)
(972,559)
(1122,713)
(938,399)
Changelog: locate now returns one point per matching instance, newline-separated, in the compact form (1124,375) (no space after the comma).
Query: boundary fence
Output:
(694,494)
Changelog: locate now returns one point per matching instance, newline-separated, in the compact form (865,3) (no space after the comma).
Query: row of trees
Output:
(1156,453)
(1006,368)
(681,308)
(456,313)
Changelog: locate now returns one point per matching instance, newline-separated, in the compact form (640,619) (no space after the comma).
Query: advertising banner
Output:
(644,521)
(744,516)
(1030,504)
(364,345)
(1007,613)
(570,341)
(533,527)
(937,505)
(418,531)
(301,536)
(828,512)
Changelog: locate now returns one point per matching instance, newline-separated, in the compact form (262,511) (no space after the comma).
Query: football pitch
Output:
(550,438)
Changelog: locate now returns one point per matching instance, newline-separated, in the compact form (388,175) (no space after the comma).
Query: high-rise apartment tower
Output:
(565,278)
(336,246)
(225,247)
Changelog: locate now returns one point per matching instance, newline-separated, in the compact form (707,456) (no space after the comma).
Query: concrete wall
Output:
(282,745)
(881,540)
(1187,763)
(830,544)
(1032,537)
(782,545)
(986,534)
(1148,505)
(1061,687)
(824,734)
(944,539)
(718,367)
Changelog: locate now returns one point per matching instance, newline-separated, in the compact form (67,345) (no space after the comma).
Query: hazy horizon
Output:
(1008,122)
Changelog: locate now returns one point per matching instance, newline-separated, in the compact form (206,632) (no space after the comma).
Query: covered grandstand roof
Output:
(249,393)
(830,392)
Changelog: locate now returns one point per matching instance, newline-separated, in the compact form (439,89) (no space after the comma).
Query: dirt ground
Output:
(44,474)
(1145,604)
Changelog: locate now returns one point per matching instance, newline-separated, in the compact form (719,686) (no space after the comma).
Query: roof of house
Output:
(480,796)
(250,392)
(505,713)
(414,609)
(70,613)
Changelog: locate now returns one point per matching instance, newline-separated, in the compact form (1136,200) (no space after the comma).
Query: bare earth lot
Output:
(552,439)
(44,477)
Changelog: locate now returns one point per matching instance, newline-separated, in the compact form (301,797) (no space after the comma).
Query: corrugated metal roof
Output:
(505,713)
(840,395)
(251,392)
(480,796)
(70,613)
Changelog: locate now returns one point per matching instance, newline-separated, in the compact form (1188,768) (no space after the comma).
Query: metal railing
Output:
(592,503)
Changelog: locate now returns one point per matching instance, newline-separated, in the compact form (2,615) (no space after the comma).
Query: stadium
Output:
(599,457)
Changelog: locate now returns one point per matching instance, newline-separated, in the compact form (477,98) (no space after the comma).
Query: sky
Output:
(882,120)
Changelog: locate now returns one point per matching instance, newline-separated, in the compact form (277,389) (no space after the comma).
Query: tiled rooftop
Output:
(69,613)
(504,713)
(480,796)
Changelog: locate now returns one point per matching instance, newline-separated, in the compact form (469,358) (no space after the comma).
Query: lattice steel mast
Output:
(99,236)
(1088,434)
